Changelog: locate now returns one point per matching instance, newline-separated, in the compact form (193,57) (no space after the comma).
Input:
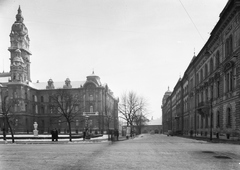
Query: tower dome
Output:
(93,79)
(166,95)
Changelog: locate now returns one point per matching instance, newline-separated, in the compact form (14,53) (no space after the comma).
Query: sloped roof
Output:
(57,85)
(155,122)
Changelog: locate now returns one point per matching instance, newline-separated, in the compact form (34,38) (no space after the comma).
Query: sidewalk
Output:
(214,140)
(46,139)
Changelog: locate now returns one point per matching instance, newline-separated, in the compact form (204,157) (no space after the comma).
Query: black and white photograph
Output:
(120,84)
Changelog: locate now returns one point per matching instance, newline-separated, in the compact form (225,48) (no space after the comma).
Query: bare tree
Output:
(8,116)
(67,106)
(140,121)
(131,105)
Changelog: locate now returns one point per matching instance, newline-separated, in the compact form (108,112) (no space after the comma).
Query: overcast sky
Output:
(139,45)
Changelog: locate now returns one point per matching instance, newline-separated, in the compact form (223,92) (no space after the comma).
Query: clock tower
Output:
(19,49)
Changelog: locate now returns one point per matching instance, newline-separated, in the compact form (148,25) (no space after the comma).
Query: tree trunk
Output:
(70,131)
(11,130)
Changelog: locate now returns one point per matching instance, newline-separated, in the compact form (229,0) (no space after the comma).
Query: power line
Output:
(191,20)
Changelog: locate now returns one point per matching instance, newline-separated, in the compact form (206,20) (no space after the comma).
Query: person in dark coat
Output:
(84,134)
(52,132)
(117,133)
(56,134)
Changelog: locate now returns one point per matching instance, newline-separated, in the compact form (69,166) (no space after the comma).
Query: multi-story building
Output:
(33,104)
(167,113)
(211,91)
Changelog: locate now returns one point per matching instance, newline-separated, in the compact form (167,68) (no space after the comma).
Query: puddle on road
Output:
(222,157)
(207,152)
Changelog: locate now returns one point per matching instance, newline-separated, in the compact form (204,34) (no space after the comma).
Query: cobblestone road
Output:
(146,152)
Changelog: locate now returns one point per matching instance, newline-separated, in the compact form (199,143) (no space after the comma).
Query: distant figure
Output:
(54,135)
(116,133)
(84,134)
(52,132)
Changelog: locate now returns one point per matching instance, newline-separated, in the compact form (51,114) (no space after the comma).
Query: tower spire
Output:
(19,10)
(19,17)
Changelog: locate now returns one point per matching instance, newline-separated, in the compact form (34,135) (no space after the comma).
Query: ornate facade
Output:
(209,89)
(98,104)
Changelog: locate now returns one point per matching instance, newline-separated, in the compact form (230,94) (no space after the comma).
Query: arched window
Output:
(42,99)
(228,117)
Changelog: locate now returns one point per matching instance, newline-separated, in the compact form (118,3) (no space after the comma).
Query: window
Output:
(206,95)
(217,59)
(77,123)
(91,97)
(50,109)
(218,119)
(197,78)
(229,81)
(228,46)
(42,109)
(42,99)
(206,122)
(33,108)
(91,108)
(228,117)
(211,91)
(211,65)
(206,70)
(201,75)
(218,88)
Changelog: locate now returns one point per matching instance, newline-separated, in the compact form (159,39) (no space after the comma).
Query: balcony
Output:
(203,108)
(90,114)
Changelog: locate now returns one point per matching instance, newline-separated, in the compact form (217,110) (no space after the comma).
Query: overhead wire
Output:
(191,20)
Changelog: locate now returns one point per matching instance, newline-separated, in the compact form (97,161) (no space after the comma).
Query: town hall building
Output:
(98,105)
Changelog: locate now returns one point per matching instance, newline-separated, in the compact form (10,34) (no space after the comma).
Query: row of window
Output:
(216,123)
(203,73)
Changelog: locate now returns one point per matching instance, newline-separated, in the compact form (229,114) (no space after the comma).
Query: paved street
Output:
(143,152)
